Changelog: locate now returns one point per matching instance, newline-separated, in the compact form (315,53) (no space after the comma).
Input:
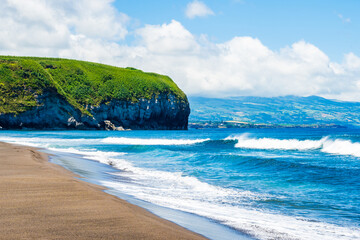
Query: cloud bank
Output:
(95,31)
(45,27)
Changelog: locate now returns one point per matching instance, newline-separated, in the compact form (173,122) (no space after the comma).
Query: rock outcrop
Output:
(54,93)
(163,112)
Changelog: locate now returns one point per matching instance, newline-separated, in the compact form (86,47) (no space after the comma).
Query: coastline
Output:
(98,173)
(39,199)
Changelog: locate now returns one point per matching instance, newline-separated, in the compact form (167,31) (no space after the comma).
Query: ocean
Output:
(223,183)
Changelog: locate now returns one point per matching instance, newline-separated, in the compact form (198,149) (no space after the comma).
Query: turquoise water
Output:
(268,183)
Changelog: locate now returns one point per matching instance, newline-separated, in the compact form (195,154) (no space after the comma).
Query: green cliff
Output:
(86,87)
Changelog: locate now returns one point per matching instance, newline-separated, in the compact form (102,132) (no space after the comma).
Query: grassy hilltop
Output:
(81,83)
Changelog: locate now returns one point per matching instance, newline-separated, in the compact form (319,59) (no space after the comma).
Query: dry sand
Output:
(40,200)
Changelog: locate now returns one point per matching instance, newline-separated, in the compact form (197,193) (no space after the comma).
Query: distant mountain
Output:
(288,110)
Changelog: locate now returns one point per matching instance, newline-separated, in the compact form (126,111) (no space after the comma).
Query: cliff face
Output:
(164,112)
(48,93)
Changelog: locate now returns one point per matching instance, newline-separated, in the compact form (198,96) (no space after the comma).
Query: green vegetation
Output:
(286,111)
(80,83)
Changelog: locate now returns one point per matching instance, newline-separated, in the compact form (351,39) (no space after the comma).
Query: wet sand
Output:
(40,200)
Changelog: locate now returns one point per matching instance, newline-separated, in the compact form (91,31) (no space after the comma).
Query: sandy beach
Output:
(40,200)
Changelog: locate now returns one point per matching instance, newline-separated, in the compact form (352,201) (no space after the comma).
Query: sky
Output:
(209,48)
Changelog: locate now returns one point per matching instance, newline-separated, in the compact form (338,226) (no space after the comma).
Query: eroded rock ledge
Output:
(164,112)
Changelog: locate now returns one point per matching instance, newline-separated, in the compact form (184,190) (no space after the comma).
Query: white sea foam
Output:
(88,152)
(63,145)
(44,142)
(151,141)
(231,207)
(56,142)
(325,144)
(341,147)
(244,141)
(92,154)
(228,206)
(23,141)
(174,190)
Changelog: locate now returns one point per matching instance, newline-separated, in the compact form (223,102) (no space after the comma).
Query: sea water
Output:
(266,183)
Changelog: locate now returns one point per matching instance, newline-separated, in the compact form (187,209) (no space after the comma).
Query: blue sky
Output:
(331,25)
(209,48)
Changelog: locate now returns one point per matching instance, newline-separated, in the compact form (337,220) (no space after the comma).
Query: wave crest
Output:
(151,141)
(325,144)
(341,147)
(244,141)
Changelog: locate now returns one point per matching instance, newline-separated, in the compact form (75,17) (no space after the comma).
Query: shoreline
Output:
(94,172)
(40,199)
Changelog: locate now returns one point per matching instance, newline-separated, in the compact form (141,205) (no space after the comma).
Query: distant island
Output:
(51,93)
(237,124)
(273,112)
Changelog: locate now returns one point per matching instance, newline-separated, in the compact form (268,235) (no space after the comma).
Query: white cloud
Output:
(240,66)
(344,19)
(168,38)
(44,27)
(197,9)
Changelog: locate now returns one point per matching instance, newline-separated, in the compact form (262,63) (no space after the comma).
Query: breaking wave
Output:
(151,141)
(325,144)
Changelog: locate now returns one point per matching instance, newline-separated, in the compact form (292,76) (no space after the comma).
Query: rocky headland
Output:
(38,93)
